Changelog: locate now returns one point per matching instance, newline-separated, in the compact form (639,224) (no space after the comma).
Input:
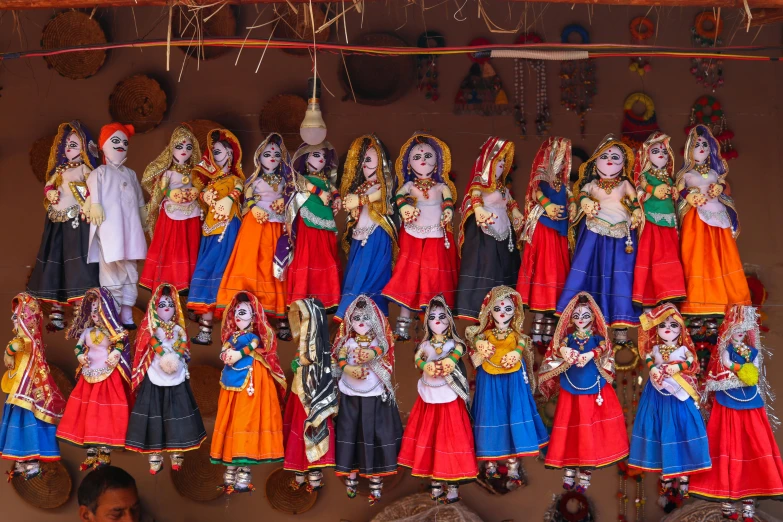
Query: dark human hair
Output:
(100,480)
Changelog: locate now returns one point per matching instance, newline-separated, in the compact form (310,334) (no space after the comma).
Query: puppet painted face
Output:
(222,154)
(500,167)
(738,337)
(610,162)
(582,317)
(370,164)
(503,312)
(95,313)
(701,152)
(669,330)
(73,147)
(243,315)
(271,157)
(316,160)
(361,321)
(166,308)
(658,155)
(438,320)
(423,160)
(183,151)
(116,148)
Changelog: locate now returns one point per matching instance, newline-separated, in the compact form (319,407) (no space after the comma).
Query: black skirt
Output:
(61,272)
(486,263)
(164,418)
(368,435)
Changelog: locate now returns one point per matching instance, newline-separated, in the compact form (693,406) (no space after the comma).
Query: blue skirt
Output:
(213,256)
(602,267)
(506,422)
(369,269)
(668,435)
(25,437)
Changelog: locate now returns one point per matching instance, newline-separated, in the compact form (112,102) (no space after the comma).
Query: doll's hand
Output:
(210,196)
(351,202)
(656,375)
(447,366)
(278,206)
(696,199)
(671,370)
(662,191)
(222,208)
(337,204)
(96,214)
(485,348)
(484,218)
(510,360)
(8,360)
(325,198)
(572,211)
(177,196)
(410,213)
(192,193)
(357,372)
(83,360)
(261,215)
(590,207)
(569,354)
(231,357)
(555,212)
(364,355)
(715,190)
(355,214)
(446,217)
(636,218)
(584,358)
(53,196)
(113,358)
(430,369)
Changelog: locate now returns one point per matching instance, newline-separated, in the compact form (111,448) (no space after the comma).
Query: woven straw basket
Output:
(72,28)
(284,113)
(205,382)
(284,499)
(39,157)
(199,479)
(210,22)
(201,128)
(49,490)
(298,27)
(140,101)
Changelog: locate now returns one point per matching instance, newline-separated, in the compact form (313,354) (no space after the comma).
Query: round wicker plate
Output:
(39,157)
(284,499)
(298,27)
(284,113)
(51,489)
(71,28)
(63,381)
(205,382)
(140,101)
(199,479)
(212,22)
(201,128)
(377,80)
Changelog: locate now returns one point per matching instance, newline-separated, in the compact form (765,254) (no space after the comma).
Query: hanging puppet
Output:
(746,462)
(602,236)
(165,416)
(307,257)
(588,430)
(549,205)
(658,275)
(307,425)
(249,424)
(438,439)
(62,274)
(251,267)
(173,213)
(117,219)
(219,178)
(506,423)
(428,263)
(370,241)
(488,231)
(669,434)
(33,405)
(368,425)
(96,414)
(710,233)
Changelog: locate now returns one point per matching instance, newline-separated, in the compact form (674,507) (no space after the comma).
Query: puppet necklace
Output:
(703,169)
(424,185)
(609,185)
(183,170)
(666,351)
(501,335)
(437,343)
(273,180)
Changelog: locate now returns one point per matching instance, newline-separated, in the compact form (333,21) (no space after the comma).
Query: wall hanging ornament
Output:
(543,116)
(706,32)
(637,128)
(197,478)
(642,28)
(570,506)
(284,114)
(427,64)
(707,111)
(481,92)
(74,28)
(138,100)
(577,79)
(50,490)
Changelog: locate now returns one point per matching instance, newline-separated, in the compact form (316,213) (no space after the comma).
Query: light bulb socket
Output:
(313,92)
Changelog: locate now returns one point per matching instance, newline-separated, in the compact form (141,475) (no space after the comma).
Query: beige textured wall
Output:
(35,100)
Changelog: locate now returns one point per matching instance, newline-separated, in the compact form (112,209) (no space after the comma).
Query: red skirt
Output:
(96,414)
(315,270)
(745,457)
(438,442)
(293,439)
(171,257)
(424,269)
(545,265)
(658,275)
(586,435)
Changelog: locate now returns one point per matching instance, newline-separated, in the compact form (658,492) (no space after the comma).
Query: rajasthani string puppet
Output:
(165,415)
(117,219)
(668,434)
(369,429)
(746,462)
(428,263)
(219,178)
(438,440)
(588,430)
(33,405)
(714,276)
(251,267)
(249,425)
(173,213)
(307,424)
(307,257)
(658,273)
(96,414)
(506,423)
(370,241)
(546,261)
(62,273)
(605,243)
(487,232)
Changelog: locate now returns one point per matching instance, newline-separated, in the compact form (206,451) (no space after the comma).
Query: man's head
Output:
(108,494)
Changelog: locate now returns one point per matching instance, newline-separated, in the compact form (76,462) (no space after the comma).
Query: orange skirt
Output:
(250,268)
(714,277)
(249,428)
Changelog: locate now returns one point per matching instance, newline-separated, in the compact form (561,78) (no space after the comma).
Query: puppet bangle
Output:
(635,359)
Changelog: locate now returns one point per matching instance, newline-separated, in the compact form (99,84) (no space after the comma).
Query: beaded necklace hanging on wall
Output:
(543,116)
(708,111)
(577,80)
(427,64)
(706,32)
